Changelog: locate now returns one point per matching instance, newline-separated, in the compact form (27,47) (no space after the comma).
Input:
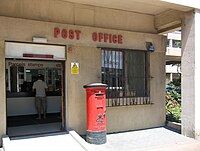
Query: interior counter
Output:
(26,105)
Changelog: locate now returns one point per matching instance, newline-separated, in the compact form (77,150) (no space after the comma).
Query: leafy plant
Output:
(173,102)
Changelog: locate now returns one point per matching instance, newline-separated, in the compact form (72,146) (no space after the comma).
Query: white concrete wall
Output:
(3,91)
(191,75)
(188,82)
(86,53)
(77,14)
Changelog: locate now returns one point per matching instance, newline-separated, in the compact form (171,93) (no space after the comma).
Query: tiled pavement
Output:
(155,139)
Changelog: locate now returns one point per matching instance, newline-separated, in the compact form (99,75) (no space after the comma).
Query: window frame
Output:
(128,97)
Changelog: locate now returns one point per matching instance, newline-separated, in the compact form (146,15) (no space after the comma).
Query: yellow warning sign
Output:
(74,68)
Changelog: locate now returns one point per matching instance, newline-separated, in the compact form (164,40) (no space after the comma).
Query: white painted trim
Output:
(16,50)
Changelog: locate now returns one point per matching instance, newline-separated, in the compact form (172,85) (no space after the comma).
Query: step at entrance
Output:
(50,142)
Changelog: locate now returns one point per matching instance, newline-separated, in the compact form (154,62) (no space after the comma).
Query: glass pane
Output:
(57,79)
(176,43)
(112,71)
(20,80)
(13,80)
(135,72)
(7,81)
(126,74)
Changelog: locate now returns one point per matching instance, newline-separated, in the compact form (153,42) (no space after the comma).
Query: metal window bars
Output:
(124,87)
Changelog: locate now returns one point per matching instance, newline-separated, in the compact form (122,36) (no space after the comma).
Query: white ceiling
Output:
(152,7)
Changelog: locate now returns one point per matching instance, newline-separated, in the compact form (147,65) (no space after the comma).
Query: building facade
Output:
(73,44)
(173,56)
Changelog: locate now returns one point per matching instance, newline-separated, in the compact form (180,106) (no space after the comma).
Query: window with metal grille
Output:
(126,72)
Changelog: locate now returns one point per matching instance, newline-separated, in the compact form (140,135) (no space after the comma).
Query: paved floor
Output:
(156,139)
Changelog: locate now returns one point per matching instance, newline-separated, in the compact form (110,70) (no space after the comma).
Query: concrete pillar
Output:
(191,75)
(2,91)
(171,77)
(170,43)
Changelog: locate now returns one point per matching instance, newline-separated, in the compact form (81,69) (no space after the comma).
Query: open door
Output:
(21,111)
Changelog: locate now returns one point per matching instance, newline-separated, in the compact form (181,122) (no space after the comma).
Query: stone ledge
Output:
(174,125)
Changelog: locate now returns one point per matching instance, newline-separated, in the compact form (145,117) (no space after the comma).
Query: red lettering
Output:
(71,34)
(64,33)
(105,37)
(110,38)
(120,39)
(56,32)
(94,36)
(100,37)
(78,34)
(114,39)
(67,33)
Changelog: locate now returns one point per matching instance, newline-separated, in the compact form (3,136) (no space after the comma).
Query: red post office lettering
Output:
(67,34)
(107,38)
(74,34)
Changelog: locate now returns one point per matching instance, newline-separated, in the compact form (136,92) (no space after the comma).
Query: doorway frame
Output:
(63,81)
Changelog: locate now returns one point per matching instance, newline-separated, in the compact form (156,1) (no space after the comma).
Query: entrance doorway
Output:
(22,117)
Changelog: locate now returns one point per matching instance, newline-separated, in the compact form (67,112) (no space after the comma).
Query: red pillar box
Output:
(96,113)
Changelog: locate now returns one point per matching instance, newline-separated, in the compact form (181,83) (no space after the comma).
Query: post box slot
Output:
(99,94)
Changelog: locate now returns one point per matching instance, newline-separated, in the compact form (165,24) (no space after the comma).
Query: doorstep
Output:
(58,141)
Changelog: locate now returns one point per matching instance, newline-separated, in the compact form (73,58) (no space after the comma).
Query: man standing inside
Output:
(40,87)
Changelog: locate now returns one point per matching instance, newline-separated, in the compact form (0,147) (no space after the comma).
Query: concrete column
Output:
(191,75)
(171,77)
(2,91)
(170,43)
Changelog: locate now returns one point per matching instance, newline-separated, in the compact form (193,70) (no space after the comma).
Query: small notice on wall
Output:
(74,68)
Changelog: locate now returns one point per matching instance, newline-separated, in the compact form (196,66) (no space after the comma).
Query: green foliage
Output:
(177,43)
(173,103)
